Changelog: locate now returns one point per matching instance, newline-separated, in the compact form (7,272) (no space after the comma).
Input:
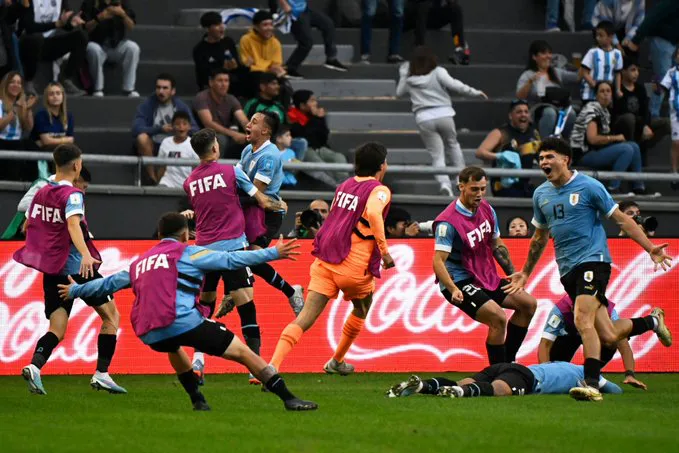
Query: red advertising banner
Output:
(410,326)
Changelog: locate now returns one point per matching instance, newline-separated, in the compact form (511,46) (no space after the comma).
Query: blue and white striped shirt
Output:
(604,65)
(13,130)
(671,82)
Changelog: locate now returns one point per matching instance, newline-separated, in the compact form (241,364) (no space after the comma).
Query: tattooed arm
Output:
(501,254)
(537,245)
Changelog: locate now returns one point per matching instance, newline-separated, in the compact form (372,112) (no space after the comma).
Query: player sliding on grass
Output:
(505,379)
(348,248)
(569,206)
(166,281)
(560,339)
(467,245)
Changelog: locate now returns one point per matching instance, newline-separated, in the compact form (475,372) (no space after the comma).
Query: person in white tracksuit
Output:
(429,87)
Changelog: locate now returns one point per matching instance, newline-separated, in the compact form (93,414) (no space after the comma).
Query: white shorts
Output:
(675,126)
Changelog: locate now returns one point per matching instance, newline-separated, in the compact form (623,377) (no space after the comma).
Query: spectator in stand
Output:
(222,112)
(304,18)
(399,224)
(601,63)
(595,147)
(266,100)
(625,15)
(58,32)
(662,27)
(260,50)
(552,15)
(631,209)
(309,221)
(283,142)
(434,15)
(176,147)
(307,120)
(631,115)
(107,21)
(517,227)
(395,30)
(541,83)
(512,145)
(429,87)
(54,124)
(9,15)
(671,83)
(218,51)
(153,121)
(16,119)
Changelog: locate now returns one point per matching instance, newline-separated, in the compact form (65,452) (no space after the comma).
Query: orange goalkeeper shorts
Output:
(329,283)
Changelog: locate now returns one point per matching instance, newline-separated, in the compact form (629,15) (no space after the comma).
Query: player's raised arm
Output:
(634,231)
(96,288)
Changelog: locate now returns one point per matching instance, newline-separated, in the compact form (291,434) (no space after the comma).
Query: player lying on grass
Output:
(166,281)
(509,379)
(560,339)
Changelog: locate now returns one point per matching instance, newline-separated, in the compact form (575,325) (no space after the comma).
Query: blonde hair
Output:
(63,112)
(7,104)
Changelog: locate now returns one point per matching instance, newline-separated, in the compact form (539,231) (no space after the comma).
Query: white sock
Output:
(101,375)
(198,357)
(655,323)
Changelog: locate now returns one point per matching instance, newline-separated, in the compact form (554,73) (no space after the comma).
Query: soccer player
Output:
(348,248)
(560,339)
(261,161)
(467,245)
(569,206)
(507,379)
(165,316)
(58,245)
(213,191)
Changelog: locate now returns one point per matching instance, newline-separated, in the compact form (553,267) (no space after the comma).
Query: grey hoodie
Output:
(431,90)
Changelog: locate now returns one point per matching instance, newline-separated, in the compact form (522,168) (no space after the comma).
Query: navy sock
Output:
(106,347)
(277,385)
(515,336)
(592,372)
(273,278)
(44,348)
(641,325)
(496,353)
(477,389)
(432,386)
(249,326)
(190,384)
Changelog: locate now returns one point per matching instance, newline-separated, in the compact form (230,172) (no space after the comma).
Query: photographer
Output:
(648,224)
(309,221)
(399,224)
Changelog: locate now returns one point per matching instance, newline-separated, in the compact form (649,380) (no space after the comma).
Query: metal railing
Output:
(140,162)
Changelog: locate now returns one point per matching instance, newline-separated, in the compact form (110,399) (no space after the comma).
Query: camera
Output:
(311,219)
(649,223)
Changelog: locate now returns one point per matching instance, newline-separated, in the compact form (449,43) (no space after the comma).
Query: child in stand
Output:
(283,142)
(601,63)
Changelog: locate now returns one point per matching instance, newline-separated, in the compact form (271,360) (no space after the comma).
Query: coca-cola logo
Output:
(414,310)
(19,331)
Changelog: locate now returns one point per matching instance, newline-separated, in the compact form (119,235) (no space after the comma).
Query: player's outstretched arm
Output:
(96,288)
(209,260)
(634,231)
(537,246)
(501,254)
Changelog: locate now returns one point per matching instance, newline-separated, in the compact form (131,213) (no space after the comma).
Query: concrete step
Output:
(343,114)
(487,45)
(346,140)
(420,156)
(476,14)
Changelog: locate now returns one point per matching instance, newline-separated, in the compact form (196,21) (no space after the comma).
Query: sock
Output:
(211,304)
(277,385)
(249,326)
(642,325)
(190,384)
(496,353)
(515,336)
(432,386)
(43,349)
(289,338)
(198,357)
(592,372)
(106,347)
(477,389)
(273,278)
(352,327)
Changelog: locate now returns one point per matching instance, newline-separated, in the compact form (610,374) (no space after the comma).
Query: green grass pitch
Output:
(354,416)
